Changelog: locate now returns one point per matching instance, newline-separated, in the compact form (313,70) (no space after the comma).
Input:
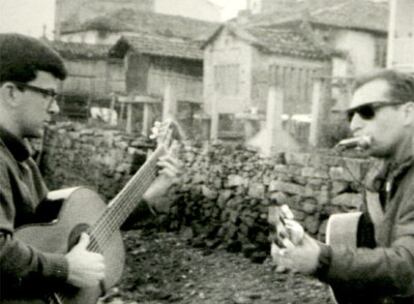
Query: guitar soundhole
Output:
(75,234)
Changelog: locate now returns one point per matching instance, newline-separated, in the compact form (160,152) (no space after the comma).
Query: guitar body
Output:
(342,230)
(80,208)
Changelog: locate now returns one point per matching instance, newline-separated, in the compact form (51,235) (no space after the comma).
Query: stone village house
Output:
(155,65)
(169,48)
(289,48)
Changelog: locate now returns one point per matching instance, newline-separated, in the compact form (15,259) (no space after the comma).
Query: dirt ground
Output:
(163,268)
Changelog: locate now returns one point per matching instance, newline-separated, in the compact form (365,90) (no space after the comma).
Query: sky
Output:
(31,17)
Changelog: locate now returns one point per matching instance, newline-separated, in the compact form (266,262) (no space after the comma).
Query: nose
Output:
(53,107)
(356,123)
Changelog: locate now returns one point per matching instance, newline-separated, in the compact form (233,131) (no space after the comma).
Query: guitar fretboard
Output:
(125,202)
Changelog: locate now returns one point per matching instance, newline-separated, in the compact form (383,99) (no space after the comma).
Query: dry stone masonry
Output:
(224,195)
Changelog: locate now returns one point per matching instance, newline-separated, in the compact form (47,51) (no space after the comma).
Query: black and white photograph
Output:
(206,151)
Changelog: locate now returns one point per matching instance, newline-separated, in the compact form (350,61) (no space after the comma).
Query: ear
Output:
(408,113)
(10,94)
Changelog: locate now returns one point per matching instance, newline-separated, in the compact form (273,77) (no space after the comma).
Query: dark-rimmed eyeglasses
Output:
(367,111)
(45,92)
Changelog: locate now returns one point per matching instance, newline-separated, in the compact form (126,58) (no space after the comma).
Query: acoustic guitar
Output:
(70,212)
(351,230)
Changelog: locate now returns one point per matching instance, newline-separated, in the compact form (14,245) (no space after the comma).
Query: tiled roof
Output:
(362,15)
(287,42)
(292,42)
(72,50)
(126,20)
(157,45)
(354,14)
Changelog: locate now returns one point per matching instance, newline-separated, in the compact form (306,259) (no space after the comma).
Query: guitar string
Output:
(103,235)
(120,199)
(120,210)
(106,226)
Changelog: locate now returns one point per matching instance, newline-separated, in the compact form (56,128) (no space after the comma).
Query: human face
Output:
(37,106)
(385,125)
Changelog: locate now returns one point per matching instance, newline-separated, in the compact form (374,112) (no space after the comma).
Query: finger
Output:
(83,241)
(167,163)
(287,243)
(169,173)
(170,161)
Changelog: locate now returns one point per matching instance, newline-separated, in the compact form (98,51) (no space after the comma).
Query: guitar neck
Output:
(125,202)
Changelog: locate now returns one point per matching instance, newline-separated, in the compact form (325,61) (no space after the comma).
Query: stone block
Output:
(314,172)
(299,215)
(235,180)
(324,195)
(309,205)
(279,198)
(276,185)
(256,190)
(223,197)
(348,200)
(301,159)
(209,193)
(339,187)
(279,168)
(311,224)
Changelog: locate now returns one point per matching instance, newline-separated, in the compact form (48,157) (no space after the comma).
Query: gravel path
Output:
(163,268)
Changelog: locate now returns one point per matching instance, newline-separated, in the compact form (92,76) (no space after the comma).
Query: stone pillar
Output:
(169,106)
(214,118)
(320,110)
(147,119)
(274,118)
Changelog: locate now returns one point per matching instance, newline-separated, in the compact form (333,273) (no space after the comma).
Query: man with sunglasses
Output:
(382,269)
(29,76)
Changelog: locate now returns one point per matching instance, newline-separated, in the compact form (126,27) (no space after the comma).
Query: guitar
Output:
(343,229)
(69,212)
(354,230)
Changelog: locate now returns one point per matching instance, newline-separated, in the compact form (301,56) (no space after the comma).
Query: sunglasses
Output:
(45,92)
(367,111)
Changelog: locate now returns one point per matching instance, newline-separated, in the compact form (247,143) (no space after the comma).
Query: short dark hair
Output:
(401,84)
(21,57)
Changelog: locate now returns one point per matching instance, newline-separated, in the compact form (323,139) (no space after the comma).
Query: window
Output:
(226,79)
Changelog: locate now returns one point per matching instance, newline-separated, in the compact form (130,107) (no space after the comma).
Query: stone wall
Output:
(224,195)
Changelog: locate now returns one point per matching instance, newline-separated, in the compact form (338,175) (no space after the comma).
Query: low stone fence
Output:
(224,195)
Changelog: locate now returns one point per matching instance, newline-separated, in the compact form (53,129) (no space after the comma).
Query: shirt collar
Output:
(16,146)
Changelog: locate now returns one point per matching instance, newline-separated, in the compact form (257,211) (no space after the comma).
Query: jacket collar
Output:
(390,170)
(16,146)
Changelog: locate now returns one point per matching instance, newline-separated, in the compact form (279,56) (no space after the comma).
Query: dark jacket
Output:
(384,274)
(21,190)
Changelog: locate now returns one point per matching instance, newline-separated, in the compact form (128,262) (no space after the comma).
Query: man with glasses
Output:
(381,109)
(29,76)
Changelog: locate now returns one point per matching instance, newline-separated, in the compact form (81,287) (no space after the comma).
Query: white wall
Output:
(360,47)
(93,37)
(197,9)
(228,50)
(401,42)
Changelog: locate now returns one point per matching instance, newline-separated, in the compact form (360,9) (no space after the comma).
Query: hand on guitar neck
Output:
(167,135)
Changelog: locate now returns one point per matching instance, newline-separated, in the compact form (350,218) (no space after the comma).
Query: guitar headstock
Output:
(167,133)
